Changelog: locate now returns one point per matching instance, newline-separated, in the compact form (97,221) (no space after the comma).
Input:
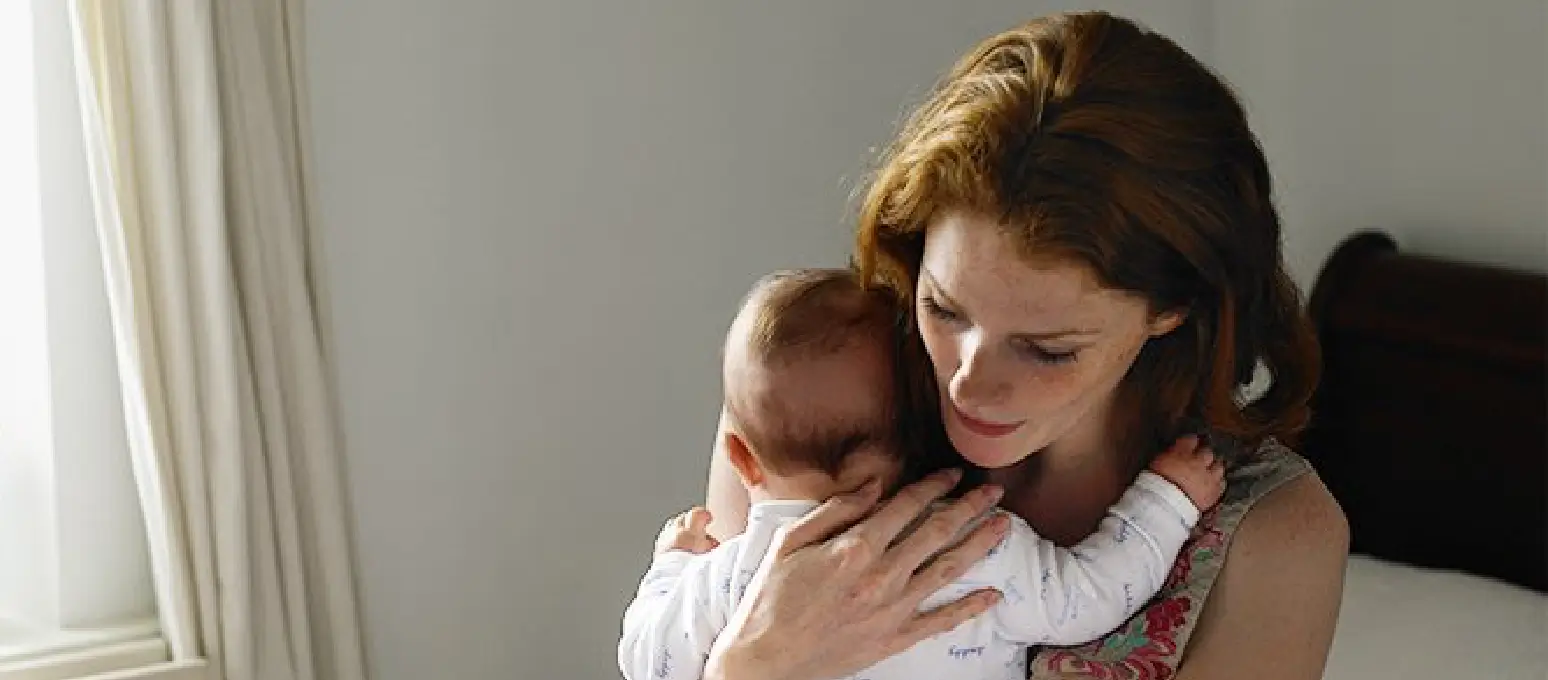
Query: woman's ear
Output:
(1167,321)
(743,461)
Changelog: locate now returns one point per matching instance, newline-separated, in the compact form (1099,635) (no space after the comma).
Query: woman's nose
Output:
(976,385)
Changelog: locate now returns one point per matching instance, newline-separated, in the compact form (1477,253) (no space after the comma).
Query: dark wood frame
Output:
(1430,425)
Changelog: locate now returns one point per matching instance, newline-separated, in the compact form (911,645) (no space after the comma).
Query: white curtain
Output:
(195,127)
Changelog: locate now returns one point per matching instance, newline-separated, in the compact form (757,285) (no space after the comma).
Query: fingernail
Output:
(952,475)
(992,492)
(1000,524)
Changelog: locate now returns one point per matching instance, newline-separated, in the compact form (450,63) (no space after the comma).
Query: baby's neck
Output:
(814,484)
(802,486)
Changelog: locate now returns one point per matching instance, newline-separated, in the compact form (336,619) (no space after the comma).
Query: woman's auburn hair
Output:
(1093,140)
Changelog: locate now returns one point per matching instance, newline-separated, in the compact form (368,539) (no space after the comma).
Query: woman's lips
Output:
(984,428)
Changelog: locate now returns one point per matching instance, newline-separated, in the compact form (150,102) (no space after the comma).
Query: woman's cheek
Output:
(1049,392)
(941,348)
(1040,395)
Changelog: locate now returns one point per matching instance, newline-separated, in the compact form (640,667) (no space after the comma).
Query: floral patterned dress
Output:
(1150,645)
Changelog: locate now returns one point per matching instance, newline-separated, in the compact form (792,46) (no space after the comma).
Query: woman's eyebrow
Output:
(940,292)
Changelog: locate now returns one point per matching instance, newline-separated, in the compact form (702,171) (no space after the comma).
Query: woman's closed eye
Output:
(935,309)
(1024,348)
(1042,355)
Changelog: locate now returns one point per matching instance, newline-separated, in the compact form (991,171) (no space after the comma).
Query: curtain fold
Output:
(196,133)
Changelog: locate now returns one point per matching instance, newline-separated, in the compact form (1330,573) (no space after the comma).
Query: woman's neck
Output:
(1064,490)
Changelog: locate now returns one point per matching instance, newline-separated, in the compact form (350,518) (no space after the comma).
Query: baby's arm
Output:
(670,625)
(1065,597)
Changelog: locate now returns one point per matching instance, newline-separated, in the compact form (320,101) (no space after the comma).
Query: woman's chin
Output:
(988,453)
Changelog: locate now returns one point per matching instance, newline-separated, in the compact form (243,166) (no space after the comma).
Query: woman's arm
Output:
(726,498)
(1272,612)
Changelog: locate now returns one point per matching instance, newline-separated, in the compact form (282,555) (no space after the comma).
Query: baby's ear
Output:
(743,460)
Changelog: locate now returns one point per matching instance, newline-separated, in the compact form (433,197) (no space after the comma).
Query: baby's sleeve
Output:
(670,625)
(1063,597)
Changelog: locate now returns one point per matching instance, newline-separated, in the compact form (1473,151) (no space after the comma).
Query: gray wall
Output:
(1426,118)
(538,216)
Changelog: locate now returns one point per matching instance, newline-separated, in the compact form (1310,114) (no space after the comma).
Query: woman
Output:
(1081,220)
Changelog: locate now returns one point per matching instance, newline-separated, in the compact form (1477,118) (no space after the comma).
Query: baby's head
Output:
(810,388)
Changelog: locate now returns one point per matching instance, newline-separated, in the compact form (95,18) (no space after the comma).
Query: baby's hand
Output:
(1194,469)
(687,531)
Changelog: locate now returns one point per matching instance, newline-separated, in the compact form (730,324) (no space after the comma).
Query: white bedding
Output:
(1406,622)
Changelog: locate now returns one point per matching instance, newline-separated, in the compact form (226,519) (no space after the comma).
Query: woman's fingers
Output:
(878,531)
(833,516)
(952,564)
(948,567)
(929,624)
(943,526)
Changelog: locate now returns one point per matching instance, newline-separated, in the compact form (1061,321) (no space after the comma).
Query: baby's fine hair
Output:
(807,314)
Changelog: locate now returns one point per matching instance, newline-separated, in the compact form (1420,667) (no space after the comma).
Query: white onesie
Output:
(1052,595)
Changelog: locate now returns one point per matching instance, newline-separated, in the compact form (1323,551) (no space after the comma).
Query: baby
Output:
(803,363)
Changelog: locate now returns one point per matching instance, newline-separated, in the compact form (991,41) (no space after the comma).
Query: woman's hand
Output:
(838,596)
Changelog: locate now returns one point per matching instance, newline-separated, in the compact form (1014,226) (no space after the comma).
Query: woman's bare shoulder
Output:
(1300,515)
(1275,605)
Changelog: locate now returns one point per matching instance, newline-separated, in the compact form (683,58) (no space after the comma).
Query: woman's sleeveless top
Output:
(1150,645)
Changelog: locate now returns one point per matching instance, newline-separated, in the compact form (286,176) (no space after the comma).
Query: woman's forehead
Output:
(976,264)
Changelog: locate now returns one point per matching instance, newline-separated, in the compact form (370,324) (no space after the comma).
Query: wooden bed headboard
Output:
(1430,425)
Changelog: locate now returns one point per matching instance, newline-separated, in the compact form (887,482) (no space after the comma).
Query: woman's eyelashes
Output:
(1025,349)
(1046,356)
(934,308)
